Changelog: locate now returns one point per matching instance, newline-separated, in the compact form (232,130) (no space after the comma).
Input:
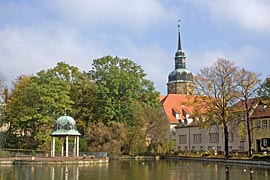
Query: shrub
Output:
(205,154)
(4,154)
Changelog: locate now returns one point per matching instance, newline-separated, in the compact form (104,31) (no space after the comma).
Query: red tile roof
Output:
(176,103)
(161,98)
(261,113)
(250,102)
(258,112)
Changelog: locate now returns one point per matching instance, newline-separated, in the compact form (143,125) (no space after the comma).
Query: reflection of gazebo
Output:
(65,127)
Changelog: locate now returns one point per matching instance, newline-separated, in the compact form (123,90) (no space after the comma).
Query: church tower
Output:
(180,79)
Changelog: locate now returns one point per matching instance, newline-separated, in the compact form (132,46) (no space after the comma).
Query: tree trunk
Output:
(226,149)
(249,136)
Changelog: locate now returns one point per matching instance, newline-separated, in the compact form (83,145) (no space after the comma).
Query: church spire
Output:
(179,37)
(180,59)
(180,80)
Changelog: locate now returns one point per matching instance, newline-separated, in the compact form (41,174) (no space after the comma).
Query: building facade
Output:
(260,128)
(196,139)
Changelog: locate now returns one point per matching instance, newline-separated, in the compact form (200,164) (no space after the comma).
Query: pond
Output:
(136,170)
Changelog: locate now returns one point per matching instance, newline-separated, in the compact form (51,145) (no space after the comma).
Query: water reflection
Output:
(249,173)
(137,170)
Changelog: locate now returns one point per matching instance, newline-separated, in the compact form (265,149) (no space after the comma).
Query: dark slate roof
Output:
(180,75)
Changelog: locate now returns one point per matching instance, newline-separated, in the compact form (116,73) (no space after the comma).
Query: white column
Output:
(62,152)
(74,147)
(78,142)
(53,147)
(66,146)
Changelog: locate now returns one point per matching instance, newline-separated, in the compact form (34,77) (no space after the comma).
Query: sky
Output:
(36,34)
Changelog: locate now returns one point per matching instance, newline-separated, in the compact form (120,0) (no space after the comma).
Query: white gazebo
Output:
(65,127)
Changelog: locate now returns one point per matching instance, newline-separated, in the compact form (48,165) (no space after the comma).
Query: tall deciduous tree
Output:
(84,95)
(264,91)
(156,127)
(218,83)
(120,83)
(248,84)
(53,87)
(2,96)
(21,115)
(35,103)
(2,79)
(111,138)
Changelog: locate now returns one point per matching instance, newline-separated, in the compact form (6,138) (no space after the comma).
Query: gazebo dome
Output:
(65,126)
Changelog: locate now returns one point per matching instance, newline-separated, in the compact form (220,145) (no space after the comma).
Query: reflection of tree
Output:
(250,173)
(227,170)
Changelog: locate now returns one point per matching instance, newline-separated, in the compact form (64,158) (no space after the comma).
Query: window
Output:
(242,146)
(201,148)
(177,115)
(182,139)
(264,124)
(232,137)
(258,124)
(261,107)
(197,138)
(213,137)
(265,142)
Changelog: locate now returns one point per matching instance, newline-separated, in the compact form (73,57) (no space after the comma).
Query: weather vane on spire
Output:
(179,24)
(179,39)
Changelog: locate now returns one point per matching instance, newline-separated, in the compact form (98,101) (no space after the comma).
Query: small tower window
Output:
(262,107)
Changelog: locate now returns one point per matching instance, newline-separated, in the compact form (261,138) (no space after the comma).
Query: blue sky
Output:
(36,34)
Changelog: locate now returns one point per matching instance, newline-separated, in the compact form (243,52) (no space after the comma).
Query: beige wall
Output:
(258,133)
(198,139)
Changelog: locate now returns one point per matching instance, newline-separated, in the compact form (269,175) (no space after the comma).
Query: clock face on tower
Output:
(183,61)
(176,61)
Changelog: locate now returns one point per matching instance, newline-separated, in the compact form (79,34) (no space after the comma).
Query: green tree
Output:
(53,87)
(20,113)
(264,90)
(120,83)
(84,95)
(156,127)
(35,103)
(3,97)
(217,86)
(111,138)
(2,80)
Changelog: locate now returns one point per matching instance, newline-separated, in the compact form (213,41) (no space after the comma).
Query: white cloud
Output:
(248,14)
(27,50)
(247,57)
(157,63)
(73,31)
(138,14)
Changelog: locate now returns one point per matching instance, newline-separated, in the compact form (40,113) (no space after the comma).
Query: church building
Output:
(180,79)
(180,88)
(178,106)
